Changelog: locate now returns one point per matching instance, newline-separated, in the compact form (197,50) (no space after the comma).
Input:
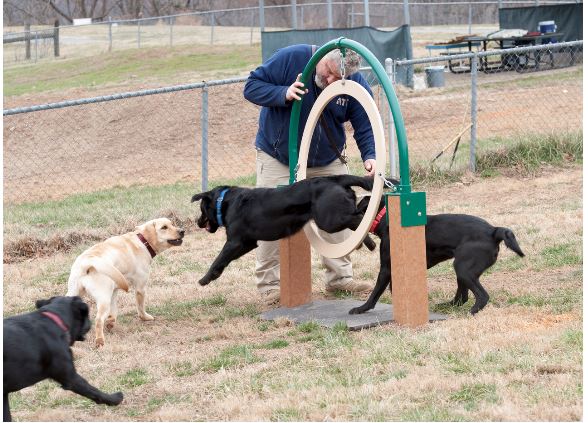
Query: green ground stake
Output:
(413,206)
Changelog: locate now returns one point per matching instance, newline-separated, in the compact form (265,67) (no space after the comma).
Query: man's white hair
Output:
(351,62)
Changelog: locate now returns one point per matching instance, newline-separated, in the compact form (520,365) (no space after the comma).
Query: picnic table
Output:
(448,49)
(519,61)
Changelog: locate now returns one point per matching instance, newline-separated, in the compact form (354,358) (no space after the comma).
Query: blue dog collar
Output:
(219,201)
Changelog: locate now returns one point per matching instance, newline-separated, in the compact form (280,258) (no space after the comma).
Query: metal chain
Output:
(342,63)
(387,183)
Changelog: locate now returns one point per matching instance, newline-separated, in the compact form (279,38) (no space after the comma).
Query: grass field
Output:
(208,351)
(164,65)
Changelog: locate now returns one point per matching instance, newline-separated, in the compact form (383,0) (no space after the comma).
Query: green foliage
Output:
(308,327)
(560,255)
(528,153)
(275,344)
(457,364)
(471,395)
(249,310)
(525,154)
(182,369)
(231,357)
(431,413)
(174,310)
(110,209)
(573,338)
(286,415)
(560,300)
(133,378)
(264,326)
(161,63)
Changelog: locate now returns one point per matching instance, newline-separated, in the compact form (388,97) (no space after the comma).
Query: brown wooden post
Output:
(408,258)
(295,278)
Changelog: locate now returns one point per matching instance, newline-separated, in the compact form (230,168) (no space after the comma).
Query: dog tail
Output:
(364,182)
(101,266)
(506,235)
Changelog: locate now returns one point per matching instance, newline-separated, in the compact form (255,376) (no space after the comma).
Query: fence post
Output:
(301,16)
(204,117)
(366,12)
(330,13)
(138,34)
(470,18)
(171,32)
(56,38)
(27,40)
(36,45)
(252,25)
(474,111)
(109,34)
(212,28)
(294,14)
(261,16)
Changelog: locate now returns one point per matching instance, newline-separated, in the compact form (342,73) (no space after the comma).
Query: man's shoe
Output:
(348,285)
(271,297)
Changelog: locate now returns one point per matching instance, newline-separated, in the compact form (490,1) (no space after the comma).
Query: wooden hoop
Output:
(355,90)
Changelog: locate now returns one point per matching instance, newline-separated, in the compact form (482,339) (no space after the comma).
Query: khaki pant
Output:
(270,174)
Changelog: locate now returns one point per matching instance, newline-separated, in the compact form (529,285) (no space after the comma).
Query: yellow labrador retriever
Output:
(121,262)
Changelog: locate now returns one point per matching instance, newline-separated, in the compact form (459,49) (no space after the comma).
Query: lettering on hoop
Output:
(341,101)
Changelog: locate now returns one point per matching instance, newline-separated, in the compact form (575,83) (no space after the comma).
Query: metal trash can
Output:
(435,76)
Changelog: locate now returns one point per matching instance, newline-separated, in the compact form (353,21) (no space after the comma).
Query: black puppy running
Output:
(37,347)
(269,214)
(472,242)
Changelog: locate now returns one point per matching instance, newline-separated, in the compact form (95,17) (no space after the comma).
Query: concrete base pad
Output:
(330,312)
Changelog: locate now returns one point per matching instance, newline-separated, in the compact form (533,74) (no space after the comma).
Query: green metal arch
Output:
(343,43)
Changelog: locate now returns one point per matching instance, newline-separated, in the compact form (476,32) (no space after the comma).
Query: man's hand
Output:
(296,90)
(370,167)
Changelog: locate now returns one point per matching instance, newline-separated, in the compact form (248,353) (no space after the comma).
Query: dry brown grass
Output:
(207,356)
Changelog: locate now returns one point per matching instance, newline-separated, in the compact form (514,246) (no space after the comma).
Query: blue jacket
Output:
(267,86)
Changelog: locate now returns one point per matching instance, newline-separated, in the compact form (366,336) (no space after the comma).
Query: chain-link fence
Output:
(203,133)
(243,25)
(506,95)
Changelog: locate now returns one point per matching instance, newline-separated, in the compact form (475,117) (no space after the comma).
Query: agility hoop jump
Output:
(406,210)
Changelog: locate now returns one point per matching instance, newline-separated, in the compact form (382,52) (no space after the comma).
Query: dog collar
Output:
(219,201)
(378,219)
(147,245)
(57,320)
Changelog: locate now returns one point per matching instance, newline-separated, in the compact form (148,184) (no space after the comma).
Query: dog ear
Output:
(198,197)
(41,303)
(80,307)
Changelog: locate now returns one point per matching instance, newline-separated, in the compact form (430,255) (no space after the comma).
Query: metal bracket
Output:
(413,208)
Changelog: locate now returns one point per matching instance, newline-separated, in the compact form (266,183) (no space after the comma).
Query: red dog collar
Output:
(378,219)
(147,245)
(56,319)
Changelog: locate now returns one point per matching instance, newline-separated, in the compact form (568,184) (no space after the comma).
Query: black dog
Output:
(269,214)
(37,347)
(472,242)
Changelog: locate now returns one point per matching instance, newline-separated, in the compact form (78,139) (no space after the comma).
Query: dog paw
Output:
(204,282)
(356,310)
(147,317)
(110,324)
(114,399)
(99,342)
